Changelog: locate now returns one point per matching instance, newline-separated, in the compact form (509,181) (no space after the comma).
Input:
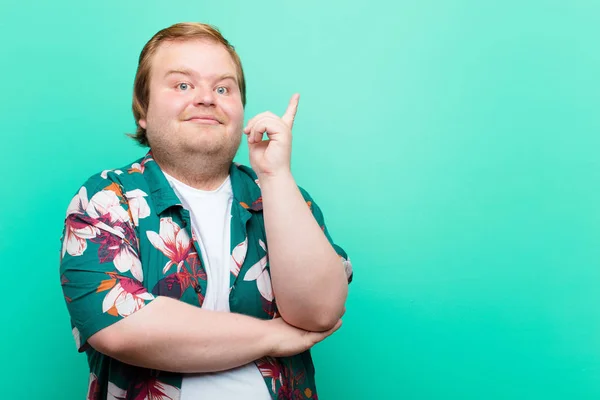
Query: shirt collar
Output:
(162,194)
(246,189)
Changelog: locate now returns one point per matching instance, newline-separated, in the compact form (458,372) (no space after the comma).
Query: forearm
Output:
(308,279)
(170,335)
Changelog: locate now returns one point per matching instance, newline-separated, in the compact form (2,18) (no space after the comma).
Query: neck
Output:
(200,172)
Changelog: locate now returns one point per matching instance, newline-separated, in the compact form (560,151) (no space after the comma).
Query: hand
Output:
(271,157)
(287,340)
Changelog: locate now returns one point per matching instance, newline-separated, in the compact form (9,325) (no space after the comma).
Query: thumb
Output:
(292,108)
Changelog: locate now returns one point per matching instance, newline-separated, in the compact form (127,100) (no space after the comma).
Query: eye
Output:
(183,86)
(222,90)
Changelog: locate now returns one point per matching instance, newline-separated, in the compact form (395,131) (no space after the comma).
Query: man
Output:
(188,276)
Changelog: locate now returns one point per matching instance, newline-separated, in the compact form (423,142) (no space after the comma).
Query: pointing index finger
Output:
(290,113)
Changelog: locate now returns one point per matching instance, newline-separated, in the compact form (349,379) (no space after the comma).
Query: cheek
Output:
(235,112)
(167,105)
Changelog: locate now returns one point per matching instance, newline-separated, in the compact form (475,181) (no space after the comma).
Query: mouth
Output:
(204,120)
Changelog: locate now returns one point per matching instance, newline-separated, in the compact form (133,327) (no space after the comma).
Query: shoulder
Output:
(128,177)
(110,186)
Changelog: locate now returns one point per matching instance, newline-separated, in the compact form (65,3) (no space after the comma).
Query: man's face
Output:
(195,105)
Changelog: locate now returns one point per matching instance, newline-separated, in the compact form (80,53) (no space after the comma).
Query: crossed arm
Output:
(170,335)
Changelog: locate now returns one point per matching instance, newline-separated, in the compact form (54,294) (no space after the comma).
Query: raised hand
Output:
(272,156)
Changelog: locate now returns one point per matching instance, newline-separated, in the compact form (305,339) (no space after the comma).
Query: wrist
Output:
(268,343)
(275,177)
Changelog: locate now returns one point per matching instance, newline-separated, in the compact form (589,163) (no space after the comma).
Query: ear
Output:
(142,123)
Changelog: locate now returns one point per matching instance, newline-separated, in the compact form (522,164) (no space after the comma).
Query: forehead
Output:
(204,57)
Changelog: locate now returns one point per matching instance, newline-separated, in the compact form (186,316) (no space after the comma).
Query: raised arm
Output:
(308,276)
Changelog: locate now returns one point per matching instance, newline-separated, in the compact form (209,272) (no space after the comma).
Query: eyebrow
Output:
(179,71)
(190,73)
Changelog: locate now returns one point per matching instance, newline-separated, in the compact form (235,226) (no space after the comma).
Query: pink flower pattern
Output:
(125,297)
(77,232)
(172,241)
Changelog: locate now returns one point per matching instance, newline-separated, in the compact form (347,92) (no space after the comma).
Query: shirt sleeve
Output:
(318,214)
(100,270)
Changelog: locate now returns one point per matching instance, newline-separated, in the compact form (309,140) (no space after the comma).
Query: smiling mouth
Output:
(204,121)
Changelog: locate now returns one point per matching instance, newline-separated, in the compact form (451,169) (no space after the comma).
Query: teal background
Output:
(453,146)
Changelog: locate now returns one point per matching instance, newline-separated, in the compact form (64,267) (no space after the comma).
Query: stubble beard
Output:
(193,163)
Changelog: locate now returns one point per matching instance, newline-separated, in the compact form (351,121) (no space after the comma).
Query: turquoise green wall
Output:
(453,146)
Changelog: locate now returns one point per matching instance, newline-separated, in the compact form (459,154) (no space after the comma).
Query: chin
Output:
(207,147)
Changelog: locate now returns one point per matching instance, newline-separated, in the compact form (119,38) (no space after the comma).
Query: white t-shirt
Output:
(210,213)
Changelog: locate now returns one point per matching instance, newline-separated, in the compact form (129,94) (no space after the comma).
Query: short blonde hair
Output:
(177,32)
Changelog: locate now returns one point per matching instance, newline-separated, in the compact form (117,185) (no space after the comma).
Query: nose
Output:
(204,96)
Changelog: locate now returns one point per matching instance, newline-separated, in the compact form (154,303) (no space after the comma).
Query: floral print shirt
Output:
(127,239)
